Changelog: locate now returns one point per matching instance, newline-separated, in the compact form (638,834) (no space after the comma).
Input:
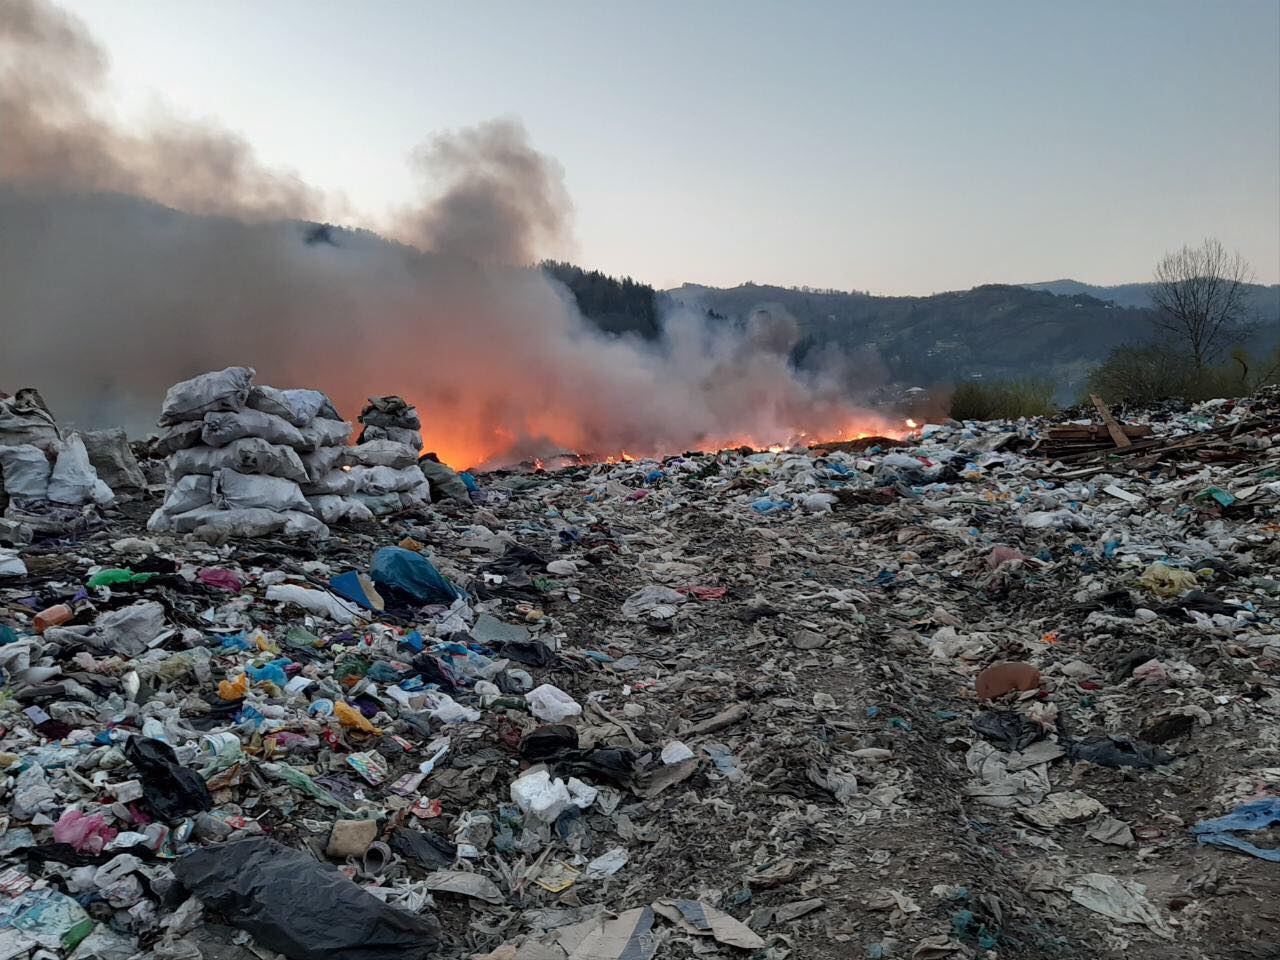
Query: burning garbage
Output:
(717,701)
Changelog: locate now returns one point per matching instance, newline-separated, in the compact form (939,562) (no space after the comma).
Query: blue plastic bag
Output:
(411,576)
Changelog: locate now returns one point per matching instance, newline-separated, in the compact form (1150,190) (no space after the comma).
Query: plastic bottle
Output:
(53,616)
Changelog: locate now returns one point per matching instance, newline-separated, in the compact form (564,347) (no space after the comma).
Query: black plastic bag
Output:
(609,764)
(428,850)
(170,790)
(1008,729)
(535,653)
(1118,752)
(301,908)
(549,741)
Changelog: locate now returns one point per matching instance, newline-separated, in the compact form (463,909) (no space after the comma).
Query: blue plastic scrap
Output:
(1258,815)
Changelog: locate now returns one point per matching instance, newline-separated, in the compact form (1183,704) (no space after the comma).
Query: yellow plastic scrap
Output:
(1166,581)
(349,716)
(234,689)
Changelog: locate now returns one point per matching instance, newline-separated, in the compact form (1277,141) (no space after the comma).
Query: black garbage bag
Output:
(303,909)
(1118,752)
(608,764)
(1008,729)
(169,790)
(535,653)
(429,850)
(548,741)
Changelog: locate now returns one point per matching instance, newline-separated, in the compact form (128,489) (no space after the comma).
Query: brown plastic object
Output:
(53,616)
(1001,678)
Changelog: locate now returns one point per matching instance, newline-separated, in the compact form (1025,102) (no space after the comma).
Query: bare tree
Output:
(1202,299)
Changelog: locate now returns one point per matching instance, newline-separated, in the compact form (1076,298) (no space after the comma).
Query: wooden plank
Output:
(1113,428)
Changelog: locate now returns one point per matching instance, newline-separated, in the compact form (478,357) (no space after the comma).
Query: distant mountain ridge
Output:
(1266,299)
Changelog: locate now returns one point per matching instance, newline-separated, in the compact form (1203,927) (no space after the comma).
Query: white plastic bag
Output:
(239,491)
(221,429)
(11,564)
(550,704)
(315,601)
(540,797)
(220,390)
(26,471)
(73,479)
(129,630)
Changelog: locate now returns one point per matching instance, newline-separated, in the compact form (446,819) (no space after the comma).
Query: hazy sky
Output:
(897,147)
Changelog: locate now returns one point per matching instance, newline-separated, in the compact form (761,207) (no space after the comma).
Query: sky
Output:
(901,148)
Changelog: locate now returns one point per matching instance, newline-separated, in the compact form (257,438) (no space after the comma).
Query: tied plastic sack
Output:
(208,393)
(379,505)
(411,577)
(336,483)
(379,480)
(246,455)
(180,436)
(303,909)
(221,429)
(73,481)
(239,491)
(319,463)
(113,460)
(24,419)
(409,437)
(170,790)
(445,483)
(384,453)
(192,491)
(26,471)
(332,509)
(299,407)
(323,432)
(551,704)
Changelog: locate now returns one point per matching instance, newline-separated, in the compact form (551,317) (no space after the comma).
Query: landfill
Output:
(977,691)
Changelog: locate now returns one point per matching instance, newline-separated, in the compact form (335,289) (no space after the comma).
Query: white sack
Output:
(26,471)
(384,453)
(322,432)
(221,429)
(247,455)
(210,392)
(240,491)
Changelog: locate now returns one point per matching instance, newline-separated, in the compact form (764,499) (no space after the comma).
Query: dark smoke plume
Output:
(129,262)
(51,138)
(504,203)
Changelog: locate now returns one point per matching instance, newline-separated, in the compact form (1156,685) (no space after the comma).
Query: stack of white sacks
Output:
(385,461)
(242,459)
(39,465)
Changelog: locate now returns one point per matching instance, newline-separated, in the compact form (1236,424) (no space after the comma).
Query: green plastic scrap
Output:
(113,577)
(1217,494)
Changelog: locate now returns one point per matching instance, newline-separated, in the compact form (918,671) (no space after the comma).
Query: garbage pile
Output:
(248,461)
(51,484)
(944,700)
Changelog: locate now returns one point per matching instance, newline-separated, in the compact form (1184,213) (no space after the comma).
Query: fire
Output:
(547,440)
(911,423)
